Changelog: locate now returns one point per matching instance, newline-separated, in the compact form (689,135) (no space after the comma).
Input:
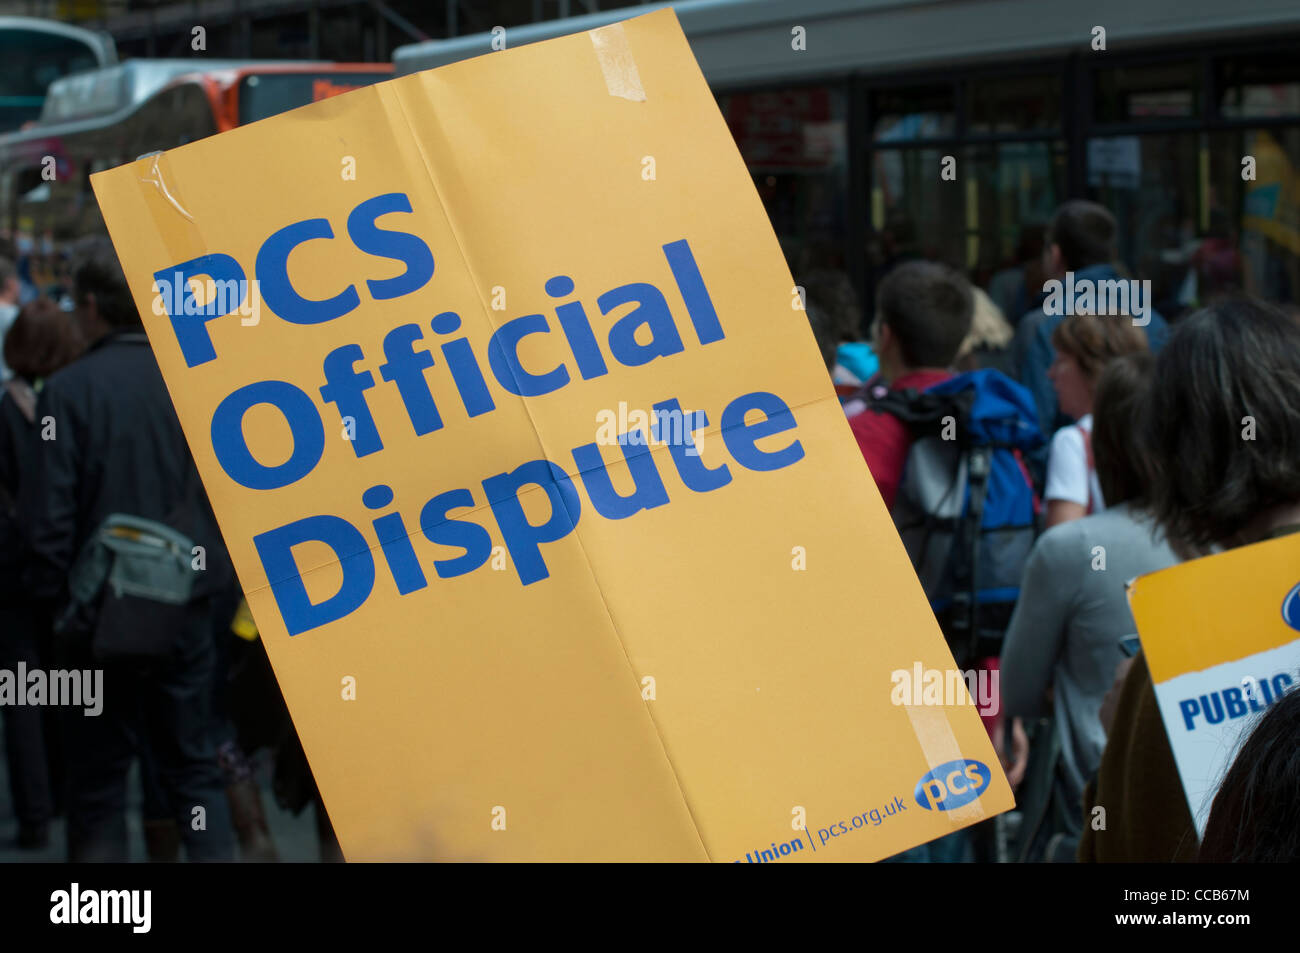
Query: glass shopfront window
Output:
(914,213)
(1252,229)
(1159,140)
(1012,104)
(1191,224)
(912,113)
(987,220)
(1014,187)
(1211,212)
(1154,186)
(1259,87)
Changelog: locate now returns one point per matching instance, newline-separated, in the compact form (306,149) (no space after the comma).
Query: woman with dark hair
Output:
(1255,817)
(41,340)
(1062,644)
(1223,424)
(1227,429)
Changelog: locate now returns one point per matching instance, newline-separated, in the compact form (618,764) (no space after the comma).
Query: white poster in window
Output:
(1116,161)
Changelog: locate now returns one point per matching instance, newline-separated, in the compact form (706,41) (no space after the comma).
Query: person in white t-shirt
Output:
(1084,344)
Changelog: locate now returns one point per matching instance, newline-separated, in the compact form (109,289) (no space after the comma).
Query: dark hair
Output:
(42,339)
(1085,233)
(929,307)
(1096,340)
(1255,817)
(1236,359)
(8,271)
(97,272)
(1121,458)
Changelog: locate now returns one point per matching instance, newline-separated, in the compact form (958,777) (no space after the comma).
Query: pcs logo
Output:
(1291,608)
(953,784)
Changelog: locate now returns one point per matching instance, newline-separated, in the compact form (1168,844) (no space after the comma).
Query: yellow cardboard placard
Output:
(1221,636)
(514,636)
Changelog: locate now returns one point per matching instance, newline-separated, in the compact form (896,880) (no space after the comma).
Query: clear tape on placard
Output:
(615,57)
(939,745)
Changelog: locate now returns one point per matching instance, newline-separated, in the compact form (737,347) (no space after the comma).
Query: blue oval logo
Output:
(1291,608)
(952,784)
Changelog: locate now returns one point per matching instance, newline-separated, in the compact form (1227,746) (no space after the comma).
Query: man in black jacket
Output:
(111,444)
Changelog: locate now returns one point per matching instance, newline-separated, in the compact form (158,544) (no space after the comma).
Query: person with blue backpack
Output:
(923,313)
(947,453)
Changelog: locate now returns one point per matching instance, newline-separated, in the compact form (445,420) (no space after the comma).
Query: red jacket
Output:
(884,439)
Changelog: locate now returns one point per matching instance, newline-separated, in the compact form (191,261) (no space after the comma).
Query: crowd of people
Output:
(91,455)
(1142,457)
(1102,436)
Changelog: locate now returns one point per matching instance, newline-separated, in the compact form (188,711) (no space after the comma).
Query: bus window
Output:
(29,61)
(174,117)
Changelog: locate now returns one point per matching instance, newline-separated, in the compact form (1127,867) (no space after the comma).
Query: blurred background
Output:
(844,137)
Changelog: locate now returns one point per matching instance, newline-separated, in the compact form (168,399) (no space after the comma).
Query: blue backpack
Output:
(966,509)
